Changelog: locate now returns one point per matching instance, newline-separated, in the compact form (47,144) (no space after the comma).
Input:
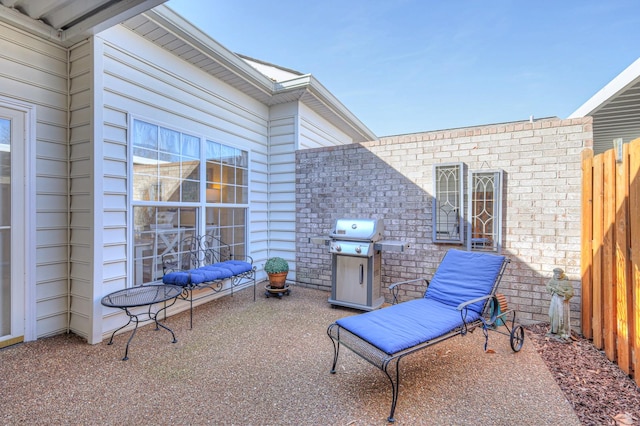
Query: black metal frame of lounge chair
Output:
(371,335)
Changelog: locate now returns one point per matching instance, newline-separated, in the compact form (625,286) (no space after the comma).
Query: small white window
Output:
(481,227)
(484,216)
(448,203)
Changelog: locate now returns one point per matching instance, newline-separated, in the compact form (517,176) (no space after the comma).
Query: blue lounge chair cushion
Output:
(461,276)
(405,325)
(464,276)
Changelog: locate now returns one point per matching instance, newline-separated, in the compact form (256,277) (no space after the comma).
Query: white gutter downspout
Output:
(68,155)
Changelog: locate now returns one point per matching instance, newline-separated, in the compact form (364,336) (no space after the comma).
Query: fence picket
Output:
(596,276)
(608,256)
(622,287)
(586,261)
(634,240)
(611,255)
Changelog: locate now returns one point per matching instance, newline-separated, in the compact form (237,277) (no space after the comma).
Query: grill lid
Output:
(358,229)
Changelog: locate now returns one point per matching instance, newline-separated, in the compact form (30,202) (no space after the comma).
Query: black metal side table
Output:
(146,295)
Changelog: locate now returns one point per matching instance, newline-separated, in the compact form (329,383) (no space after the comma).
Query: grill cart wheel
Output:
(517,338)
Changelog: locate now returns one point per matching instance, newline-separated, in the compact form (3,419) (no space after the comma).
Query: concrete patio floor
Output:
(267,363)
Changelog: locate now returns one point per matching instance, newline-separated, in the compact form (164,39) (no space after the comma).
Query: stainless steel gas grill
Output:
(355,246)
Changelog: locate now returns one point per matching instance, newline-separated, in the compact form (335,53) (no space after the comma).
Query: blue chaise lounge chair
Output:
(460,297)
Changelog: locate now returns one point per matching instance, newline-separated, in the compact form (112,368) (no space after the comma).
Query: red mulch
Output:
(599,391)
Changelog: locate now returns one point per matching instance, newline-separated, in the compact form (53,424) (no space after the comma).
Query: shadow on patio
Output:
(268,362)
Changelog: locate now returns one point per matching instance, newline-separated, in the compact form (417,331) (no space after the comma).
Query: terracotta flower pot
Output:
(277,280)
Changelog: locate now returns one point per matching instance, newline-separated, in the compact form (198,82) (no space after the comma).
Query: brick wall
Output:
(391,179)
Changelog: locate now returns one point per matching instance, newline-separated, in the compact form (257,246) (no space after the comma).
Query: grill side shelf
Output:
(391,245)
(320,240)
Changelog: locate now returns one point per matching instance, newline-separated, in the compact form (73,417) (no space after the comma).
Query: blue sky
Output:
(406,66)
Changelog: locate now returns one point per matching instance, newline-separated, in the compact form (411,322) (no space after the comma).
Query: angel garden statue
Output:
(559,310)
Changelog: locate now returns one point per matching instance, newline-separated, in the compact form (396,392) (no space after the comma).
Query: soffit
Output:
(69,21)
(618,117)
(169,31)
(615,110)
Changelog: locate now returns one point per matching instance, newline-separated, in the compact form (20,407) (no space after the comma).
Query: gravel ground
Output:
(267,363)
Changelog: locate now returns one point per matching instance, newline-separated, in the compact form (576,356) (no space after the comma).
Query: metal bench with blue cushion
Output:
(460,297)
(218,266)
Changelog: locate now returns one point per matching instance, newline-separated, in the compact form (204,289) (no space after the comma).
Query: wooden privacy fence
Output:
(610,261)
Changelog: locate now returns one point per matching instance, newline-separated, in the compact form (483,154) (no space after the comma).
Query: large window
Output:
(227,174)
(480,228)
(166,164)
(227,171)
(174,197)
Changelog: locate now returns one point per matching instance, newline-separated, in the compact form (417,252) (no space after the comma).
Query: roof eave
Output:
(338,108)
(270,91)
(627,78)
(172,21)
(114,15)
(308,84)
(85,28)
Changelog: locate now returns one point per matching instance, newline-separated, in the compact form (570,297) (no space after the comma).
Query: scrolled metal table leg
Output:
(158,324)
(118,329)
(133,333)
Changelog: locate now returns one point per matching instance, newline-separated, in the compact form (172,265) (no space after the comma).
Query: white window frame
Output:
(23,241)
(488,240)
(447,230)
(202,205)
(460,230)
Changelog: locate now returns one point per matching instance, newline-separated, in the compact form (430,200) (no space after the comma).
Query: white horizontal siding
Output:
(81,188)
(281,191)
(316,132)
(52,149)
(292,126)
(48,167)
(144,81)
(34,71)
(52,185)
(52,288)
(154,83)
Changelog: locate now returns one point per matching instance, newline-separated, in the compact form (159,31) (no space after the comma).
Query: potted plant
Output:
(277,269)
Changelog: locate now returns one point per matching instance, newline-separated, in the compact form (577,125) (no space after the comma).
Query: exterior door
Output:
(12,222)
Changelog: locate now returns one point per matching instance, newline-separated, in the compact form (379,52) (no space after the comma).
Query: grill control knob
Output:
(338,248)
(358,250)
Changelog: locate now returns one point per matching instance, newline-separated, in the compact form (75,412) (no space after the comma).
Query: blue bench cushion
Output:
(238,267)
(405,325)
(217,271)
(464,276)
(192,277)
(220,271)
